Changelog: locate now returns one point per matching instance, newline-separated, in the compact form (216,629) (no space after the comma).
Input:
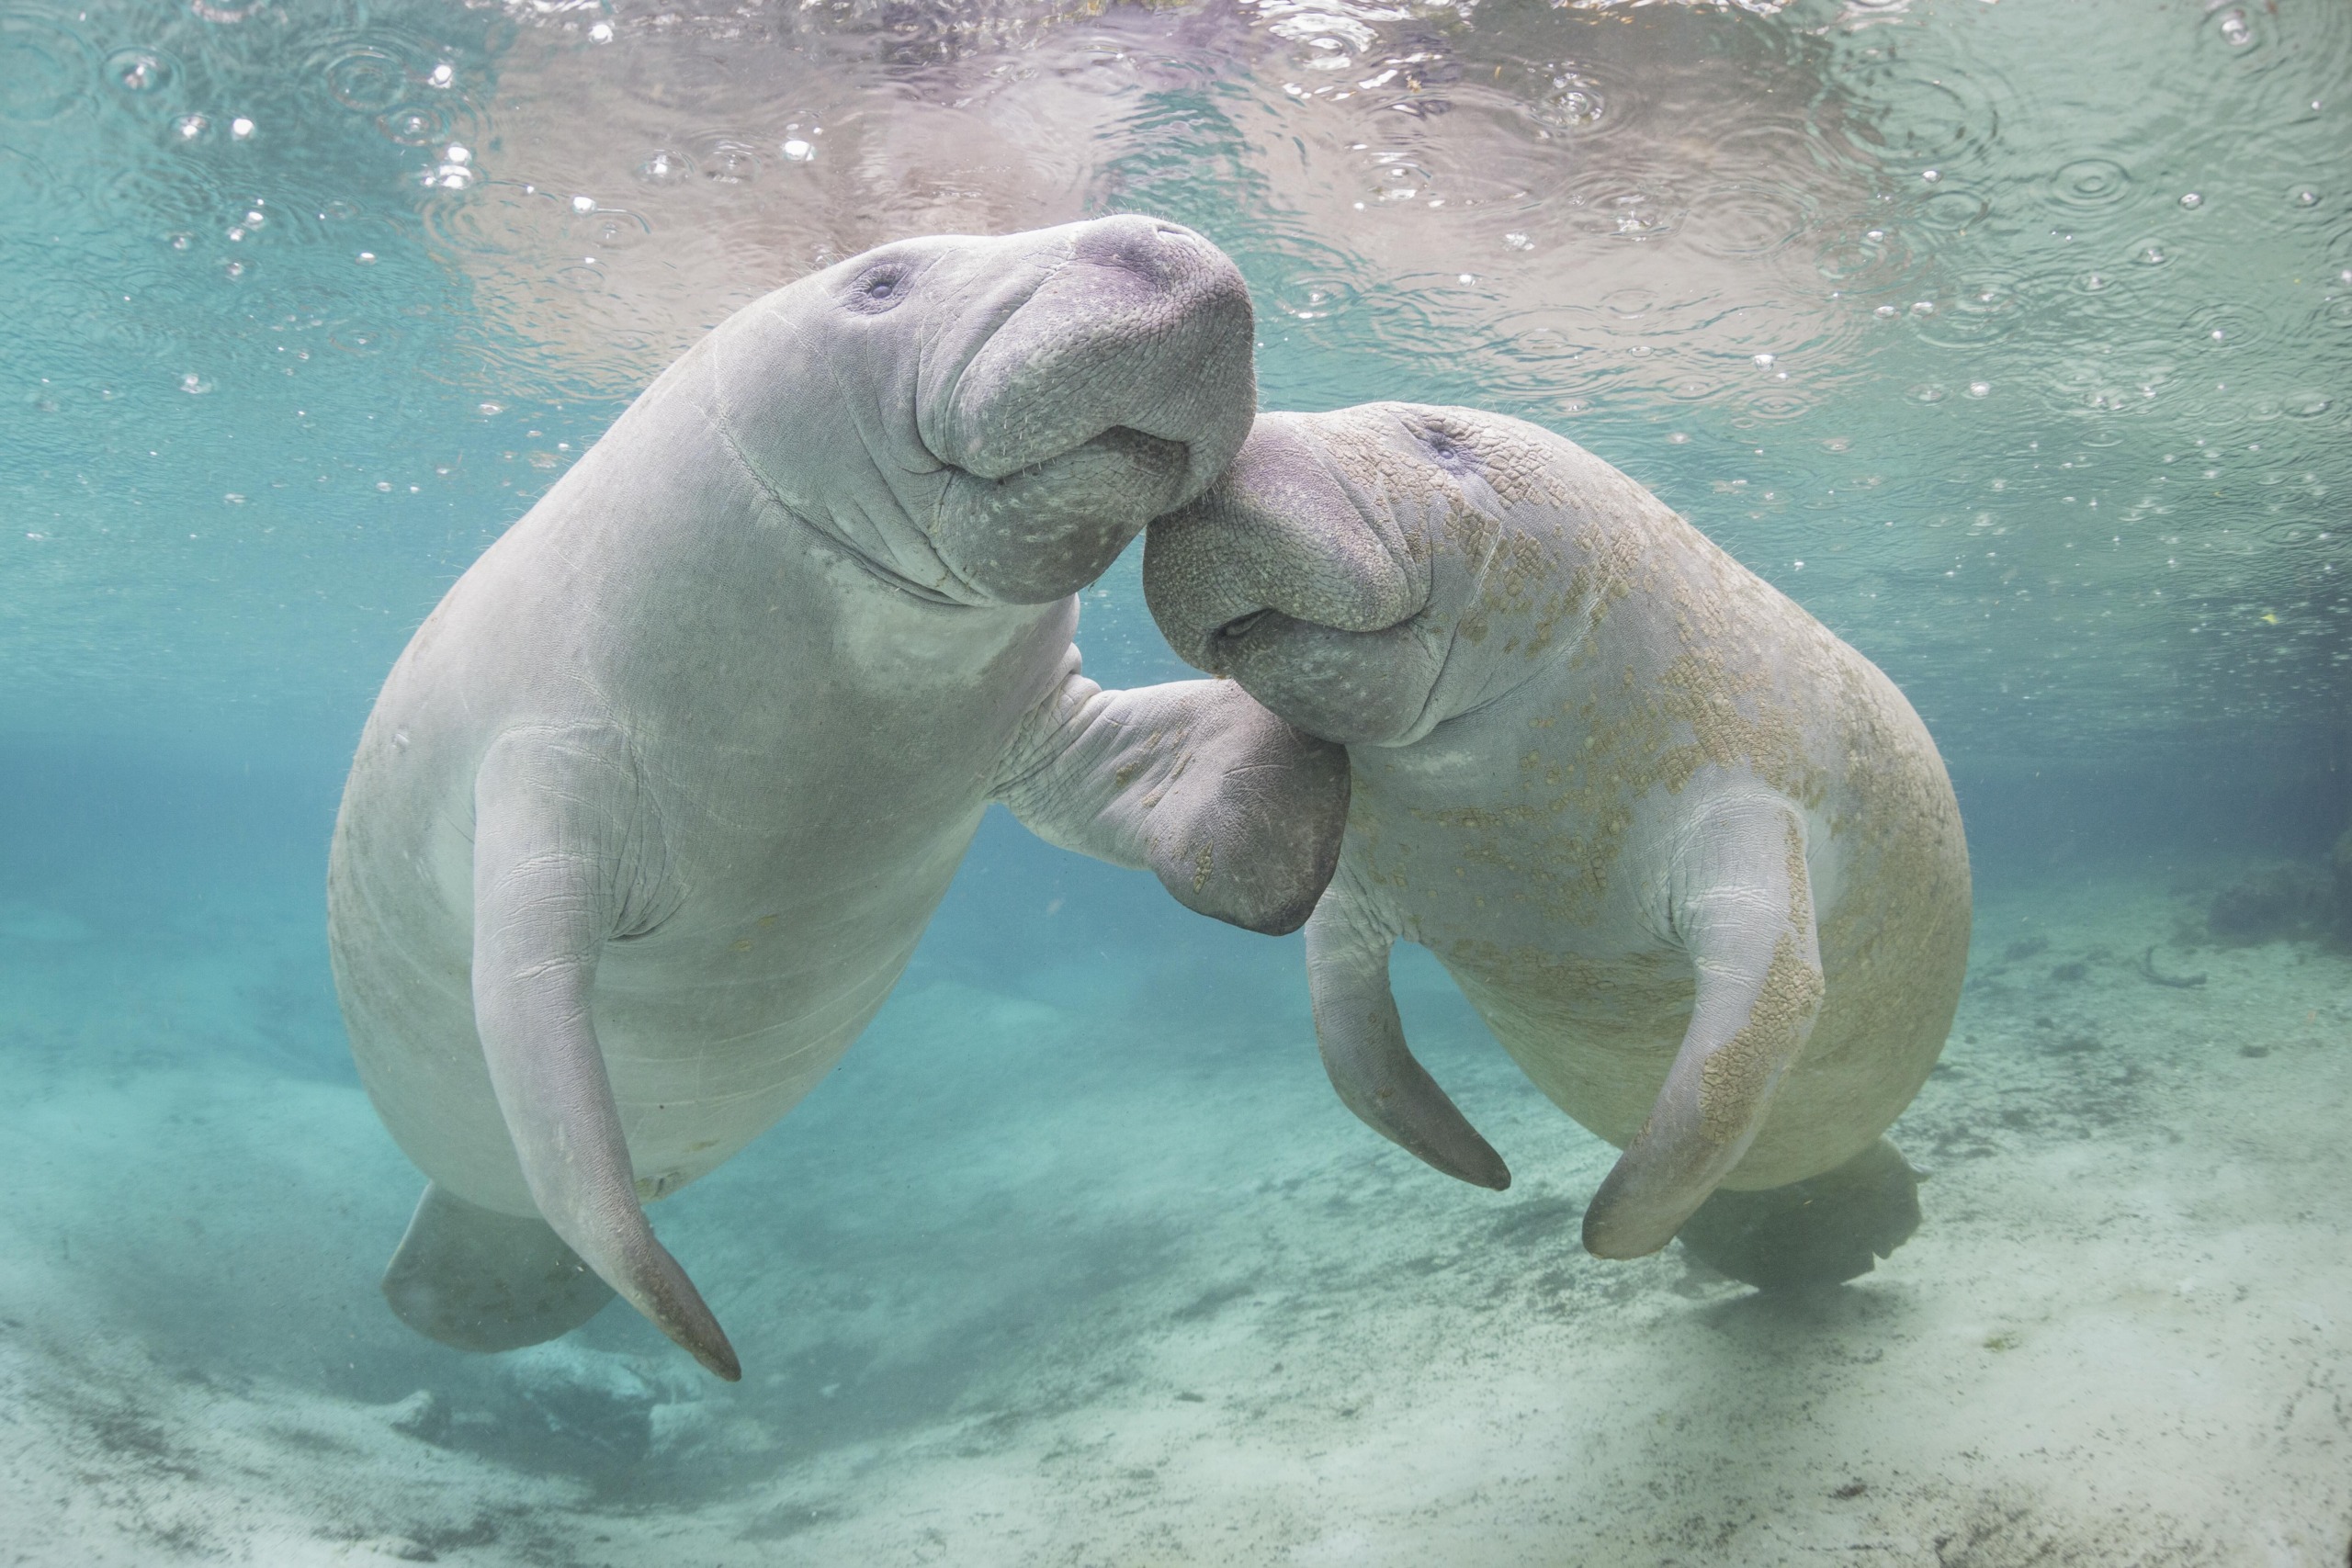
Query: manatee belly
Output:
(1595,1034)
(712,1029)
(1598,1035)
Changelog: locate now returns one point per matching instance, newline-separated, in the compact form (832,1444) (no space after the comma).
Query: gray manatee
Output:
(652,811)
(1693,858)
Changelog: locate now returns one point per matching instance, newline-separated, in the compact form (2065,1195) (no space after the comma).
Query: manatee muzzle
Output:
(1289,576)
(1117,390)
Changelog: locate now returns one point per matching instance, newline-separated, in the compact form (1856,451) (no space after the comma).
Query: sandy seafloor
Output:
(1082,1263)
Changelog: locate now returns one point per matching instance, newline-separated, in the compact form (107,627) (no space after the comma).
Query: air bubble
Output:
(2090,181)
(367,80)
(797,151)
(584,205)
(600,33)
(1979,388)
(190,126)
(2192,200)
(665,168)
(137,69)
(727,161)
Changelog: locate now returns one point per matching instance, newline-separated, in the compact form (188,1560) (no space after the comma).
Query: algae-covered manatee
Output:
(1694,860)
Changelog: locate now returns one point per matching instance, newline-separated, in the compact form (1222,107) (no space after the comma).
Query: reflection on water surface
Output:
(2025,374)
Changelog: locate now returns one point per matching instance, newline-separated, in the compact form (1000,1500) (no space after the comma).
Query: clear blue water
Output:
(2013,341)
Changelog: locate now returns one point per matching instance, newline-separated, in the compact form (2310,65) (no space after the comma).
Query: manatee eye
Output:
(879,288)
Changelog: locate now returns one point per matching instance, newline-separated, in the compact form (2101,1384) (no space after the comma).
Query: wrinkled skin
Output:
(650,813)
(1695,861)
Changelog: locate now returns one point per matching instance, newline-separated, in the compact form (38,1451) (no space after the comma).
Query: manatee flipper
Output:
(1742,904)
(552,812)
(1363,1048)
(1237,813)
(1825,1230)
(481,1280)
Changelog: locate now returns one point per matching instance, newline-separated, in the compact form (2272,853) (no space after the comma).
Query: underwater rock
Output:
(1821,1231)
(421,1415)
(586,1399)
(2276,901)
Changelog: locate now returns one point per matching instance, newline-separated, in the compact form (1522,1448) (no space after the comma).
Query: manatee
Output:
(1693,858)
(653,809)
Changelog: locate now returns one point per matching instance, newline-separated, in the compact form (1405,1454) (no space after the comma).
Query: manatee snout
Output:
(1287,577)
(1118,390)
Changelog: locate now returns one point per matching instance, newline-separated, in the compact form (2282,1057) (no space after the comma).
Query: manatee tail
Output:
(481,1280)
(1824,1230)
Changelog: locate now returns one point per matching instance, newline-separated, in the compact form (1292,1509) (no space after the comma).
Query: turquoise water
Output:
(2011,340)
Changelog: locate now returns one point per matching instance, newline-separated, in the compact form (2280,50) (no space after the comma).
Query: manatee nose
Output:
(1120,389)
(1161,254)
(1142,324)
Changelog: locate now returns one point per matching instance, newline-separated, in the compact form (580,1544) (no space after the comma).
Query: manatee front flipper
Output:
(482,1281)
(1238,814)
(554,820)
(1742,904)
(1363,1048)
